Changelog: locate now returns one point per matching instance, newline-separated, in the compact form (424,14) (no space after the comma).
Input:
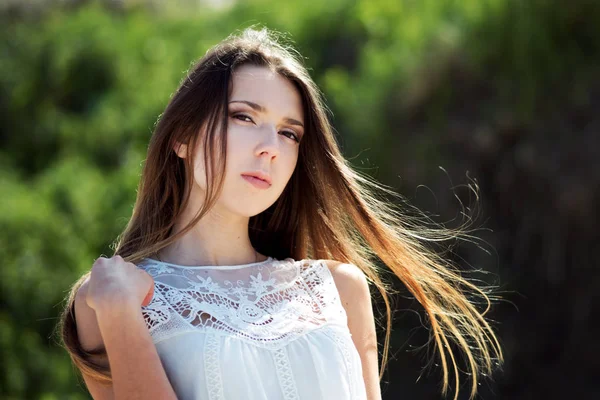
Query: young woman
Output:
(244,271)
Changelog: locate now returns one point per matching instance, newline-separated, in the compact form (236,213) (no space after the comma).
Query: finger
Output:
(148,297)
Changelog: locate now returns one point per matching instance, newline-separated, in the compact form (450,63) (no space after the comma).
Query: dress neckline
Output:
(152,260)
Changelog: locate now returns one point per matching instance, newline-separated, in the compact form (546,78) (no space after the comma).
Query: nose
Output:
(269,142)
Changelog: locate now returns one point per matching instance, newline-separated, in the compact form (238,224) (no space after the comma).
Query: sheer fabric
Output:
(269,330)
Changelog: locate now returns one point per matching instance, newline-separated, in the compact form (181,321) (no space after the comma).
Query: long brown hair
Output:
(327,210)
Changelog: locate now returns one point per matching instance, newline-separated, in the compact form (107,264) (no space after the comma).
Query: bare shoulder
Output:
(350,281)
(88,330)
(345,273)
(353,287)
(88,333)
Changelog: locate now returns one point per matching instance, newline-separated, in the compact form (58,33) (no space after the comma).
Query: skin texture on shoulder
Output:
(355,296)
(90,338)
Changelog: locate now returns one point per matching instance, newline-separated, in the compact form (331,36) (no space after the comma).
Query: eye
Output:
(242,117)
(292,136)
(246,118)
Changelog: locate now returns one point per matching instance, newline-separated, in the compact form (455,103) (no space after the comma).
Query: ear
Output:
(180,149)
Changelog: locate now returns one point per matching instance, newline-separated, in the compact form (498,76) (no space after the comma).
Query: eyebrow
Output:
(260,108)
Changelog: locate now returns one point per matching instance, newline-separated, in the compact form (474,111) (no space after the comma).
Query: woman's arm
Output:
(355,296)
(136,369)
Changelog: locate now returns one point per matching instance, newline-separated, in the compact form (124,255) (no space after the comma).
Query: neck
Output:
(217,239)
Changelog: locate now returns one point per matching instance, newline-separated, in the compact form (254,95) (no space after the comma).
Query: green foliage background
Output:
(413,85)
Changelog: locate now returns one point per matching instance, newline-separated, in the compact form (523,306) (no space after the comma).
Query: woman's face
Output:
(265,125)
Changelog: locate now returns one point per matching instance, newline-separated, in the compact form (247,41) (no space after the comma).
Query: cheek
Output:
(200,174)
(237,150)
(239,137)
(236,138)
(289,163)
(199,170)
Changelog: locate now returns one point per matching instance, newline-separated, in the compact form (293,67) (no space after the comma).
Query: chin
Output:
(250,210)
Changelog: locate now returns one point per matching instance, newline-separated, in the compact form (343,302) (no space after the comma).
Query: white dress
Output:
(270,330)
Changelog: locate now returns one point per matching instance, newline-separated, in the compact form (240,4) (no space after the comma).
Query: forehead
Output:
(267,88)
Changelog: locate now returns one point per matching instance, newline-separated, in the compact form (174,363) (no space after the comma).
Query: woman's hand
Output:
(113,281)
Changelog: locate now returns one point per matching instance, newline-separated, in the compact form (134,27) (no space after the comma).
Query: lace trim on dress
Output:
(212,366)
(284,373)
(268,304)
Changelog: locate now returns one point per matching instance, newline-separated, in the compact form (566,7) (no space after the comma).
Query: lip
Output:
(260,175)
(258,179)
